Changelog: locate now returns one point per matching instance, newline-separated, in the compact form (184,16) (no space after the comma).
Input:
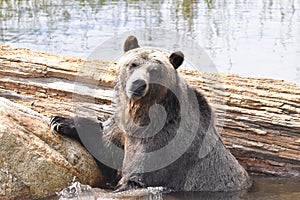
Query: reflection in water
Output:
(252,38)
(256,38)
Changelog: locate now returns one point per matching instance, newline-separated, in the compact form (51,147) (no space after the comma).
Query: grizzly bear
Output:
(164,127)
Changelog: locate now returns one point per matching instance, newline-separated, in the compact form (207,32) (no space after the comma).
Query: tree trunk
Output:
(259,119)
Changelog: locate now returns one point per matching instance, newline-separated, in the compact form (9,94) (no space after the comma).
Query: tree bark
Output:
(258,118)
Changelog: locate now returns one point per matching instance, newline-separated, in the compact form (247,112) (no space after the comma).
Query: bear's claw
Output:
(134,183)
(62,125)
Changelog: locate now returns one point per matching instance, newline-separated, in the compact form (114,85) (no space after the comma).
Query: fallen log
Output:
(259,118)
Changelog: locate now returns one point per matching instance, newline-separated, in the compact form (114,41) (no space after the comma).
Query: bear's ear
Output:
(176,59)
(130,43)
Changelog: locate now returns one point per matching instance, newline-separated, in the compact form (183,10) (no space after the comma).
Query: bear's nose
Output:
(138,87)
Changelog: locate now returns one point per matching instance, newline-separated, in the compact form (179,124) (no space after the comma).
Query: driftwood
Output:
(259,119)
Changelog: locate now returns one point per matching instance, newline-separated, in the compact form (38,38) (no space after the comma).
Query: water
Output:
(263,188)
(253,38)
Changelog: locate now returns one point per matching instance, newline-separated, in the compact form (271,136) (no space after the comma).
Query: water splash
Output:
(78,191)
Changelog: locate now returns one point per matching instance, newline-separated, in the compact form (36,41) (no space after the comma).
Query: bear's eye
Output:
(133,65)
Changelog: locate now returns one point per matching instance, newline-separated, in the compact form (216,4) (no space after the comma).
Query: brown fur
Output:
(218,171)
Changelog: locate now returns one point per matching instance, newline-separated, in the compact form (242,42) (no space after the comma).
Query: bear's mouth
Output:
(139,92)
(137,89)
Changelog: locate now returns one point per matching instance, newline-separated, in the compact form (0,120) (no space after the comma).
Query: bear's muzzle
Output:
(137,89)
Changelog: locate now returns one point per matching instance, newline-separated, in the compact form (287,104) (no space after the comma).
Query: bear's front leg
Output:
(71,126)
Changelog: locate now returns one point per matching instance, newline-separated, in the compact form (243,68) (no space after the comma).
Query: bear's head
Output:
(147,73)
(145,77)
